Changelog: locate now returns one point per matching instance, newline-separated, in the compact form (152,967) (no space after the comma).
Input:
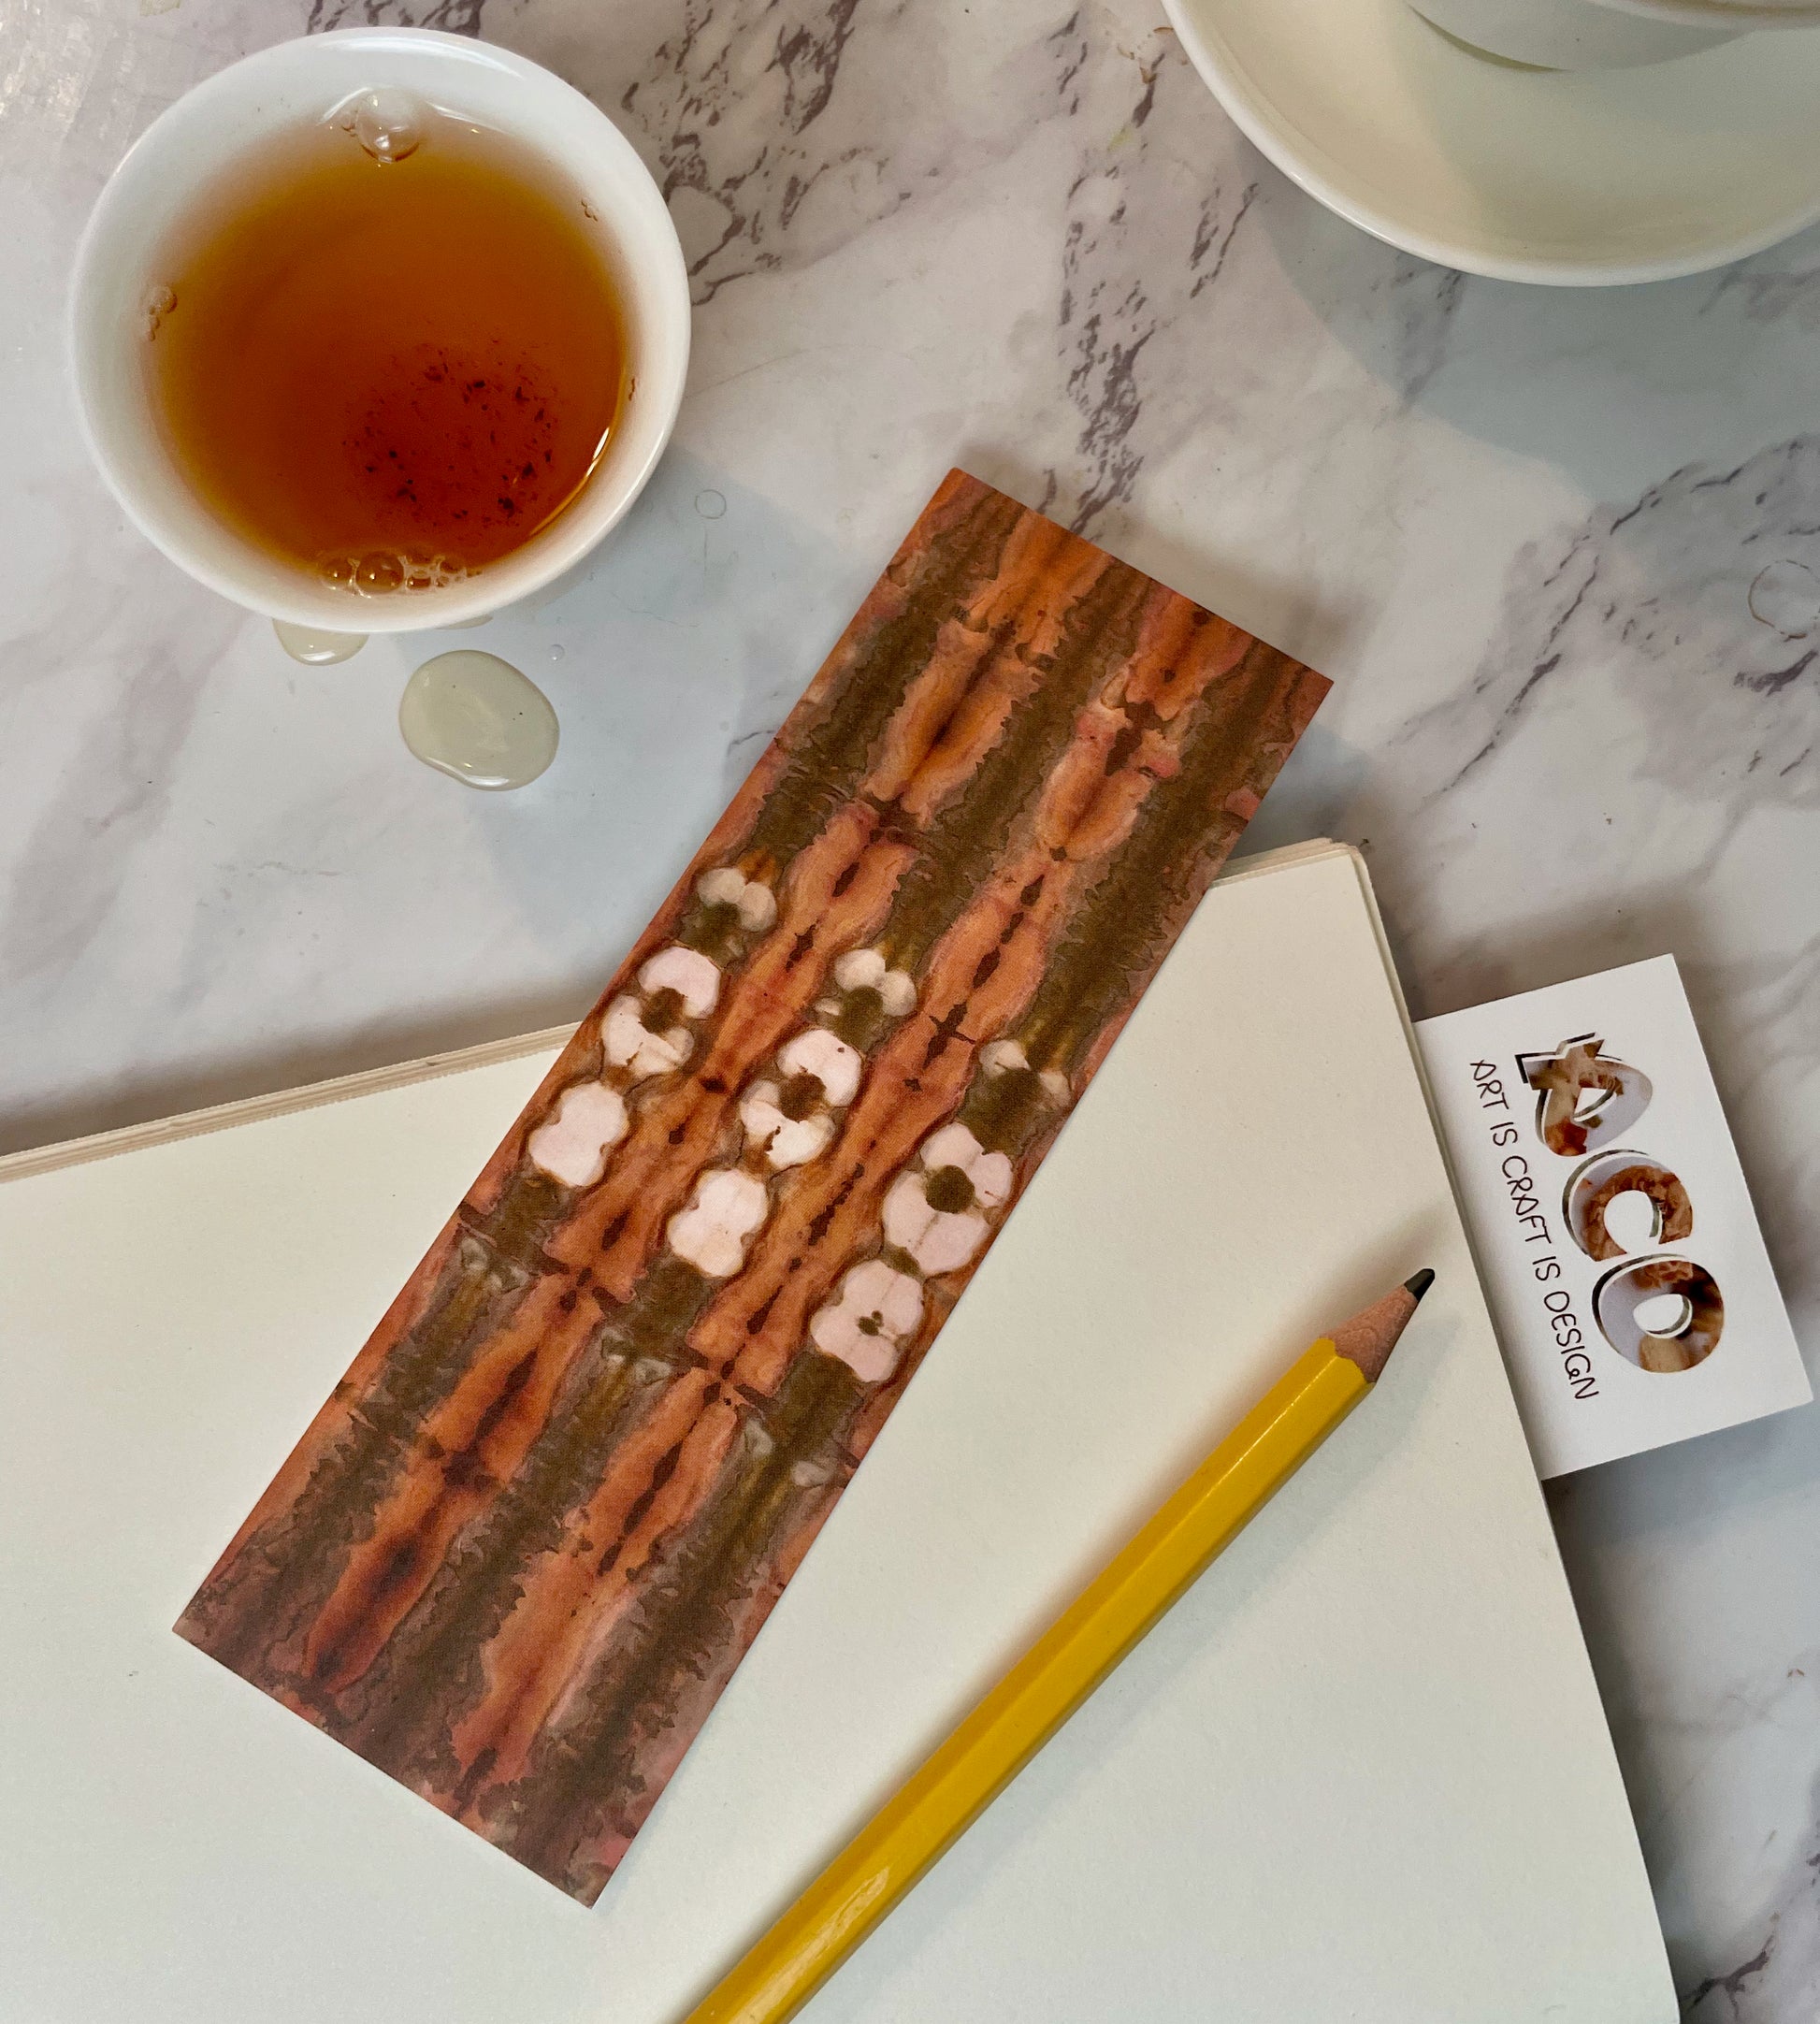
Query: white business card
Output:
(1621,1254)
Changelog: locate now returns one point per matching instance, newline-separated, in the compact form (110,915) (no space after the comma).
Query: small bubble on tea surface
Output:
(388,124)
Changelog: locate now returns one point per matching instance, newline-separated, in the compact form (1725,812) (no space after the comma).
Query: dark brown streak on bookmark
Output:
(630,1700)
(397,1714)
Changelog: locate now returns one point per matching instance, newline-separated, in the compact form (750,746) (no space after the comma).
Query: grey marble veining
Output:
(1525,530)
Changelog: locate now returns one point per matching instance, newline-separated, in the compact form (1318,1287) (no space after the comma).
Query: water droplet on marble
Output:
(1785,596)
(710,504)
(316,647)
(388,123)
(555,650)
(475,717)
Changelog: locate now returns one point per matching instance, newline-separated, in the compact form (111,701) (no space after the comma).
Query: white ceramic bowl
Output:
(1592,177)
(187,146)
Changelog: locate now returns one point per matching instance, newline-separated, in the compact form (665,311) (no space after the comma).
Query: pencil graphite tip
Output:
(1368,1339)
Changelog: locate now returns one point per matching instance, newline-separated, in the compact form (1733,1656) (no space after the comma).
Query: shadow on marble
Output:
(1613,387)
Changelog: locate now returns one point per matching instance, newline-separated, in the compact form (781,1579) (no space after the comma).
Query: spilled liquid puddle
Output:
(469,715)
(475,717)
(315,646)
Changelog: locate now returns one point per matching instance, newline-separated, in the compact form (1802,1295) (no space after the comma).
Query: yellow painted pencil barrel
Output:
(1030,1703)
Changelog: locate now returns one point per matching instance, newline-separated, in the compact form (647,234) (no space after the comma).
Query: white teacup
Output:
(1608,34)
(271,92)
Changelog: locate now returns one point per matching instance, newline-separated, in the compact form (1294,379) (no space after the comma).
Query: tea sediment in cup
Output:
(387,346)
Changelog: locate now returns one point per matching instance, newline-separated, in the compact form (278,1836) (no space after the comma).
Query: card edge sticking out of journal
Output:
(1639,1003)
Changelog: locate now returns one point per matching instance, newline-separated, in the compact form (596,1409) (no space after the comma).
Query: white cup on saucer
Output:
(1606,35)
(189,145)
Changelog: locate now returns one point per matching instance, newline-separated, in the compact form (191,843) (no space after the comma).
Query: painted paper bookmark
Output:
(520,1550)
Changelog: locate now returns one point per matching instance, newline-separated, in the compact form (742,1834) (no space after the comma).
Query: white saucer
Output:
(1593,177)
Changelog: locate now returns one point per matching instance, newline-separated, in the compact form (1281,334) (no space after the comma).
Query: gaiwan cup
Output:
(187,146)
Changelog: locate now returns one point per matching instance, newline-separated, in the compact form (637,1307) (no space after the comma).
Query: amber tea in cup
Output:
(387,347)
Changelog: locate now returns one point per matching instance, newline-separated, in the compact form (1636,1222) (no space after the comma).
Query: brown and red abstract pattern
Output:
(519,1553)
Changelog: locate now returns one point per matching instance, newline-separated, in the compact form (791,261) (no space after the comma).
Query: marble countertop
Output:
(1518,527)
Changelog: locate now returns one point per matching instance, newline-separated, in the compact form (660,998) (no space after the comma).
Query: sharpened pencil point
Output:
(1368,1339)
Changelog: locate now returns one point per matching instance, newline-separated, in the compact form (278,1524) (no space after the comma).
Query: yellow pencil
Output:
(1025,1708)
